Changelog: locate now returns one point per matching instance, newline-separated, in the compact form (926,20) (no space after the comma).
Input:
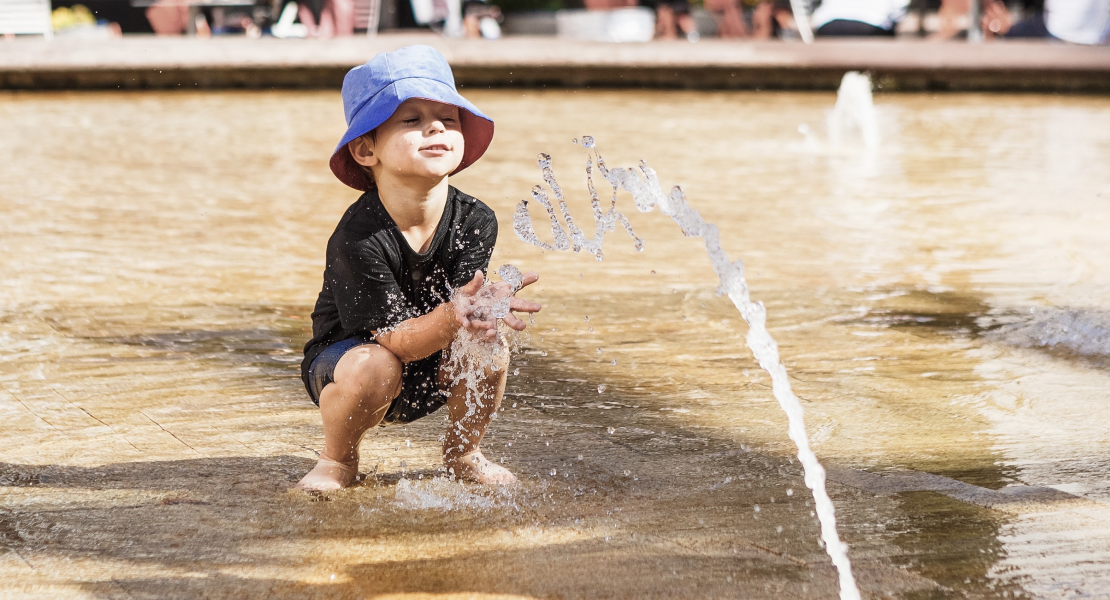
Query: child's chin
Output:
(438,171)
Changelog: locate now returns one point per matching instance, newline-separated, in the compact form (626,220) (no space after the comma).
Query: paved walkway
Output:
(231,62)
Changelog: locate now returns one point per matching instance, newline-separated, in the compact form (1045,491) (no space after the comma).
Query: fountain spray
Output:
(647,194)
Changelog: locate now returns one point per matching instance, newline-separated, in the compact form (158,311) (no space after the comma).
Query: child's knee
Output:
(372,369)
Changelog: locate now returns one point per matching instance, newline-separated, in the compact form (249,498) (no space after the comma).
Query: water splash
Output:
(854,112)
(647,194)
(438,493)
(604,221)
(472,357)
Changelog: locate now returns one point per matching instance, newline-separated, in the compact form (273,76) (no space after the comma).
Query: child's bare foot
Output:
(328,475)
(475,467)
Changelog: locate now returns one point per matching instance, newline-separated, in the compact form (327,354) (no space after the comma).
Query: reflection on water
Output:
(159,254)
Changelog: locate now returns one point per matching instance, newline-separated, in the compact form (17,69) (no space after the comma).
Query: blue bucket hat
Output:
(373,91)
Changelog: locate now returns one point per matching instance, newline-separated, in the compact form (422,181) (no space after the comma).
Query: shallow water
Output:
(941,304)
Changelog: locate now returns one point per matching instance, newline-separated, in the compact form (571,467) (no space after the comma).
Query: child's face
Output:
(422,139)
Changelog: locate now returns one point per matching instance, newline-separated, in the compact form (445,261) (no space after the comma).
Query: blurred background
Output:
(1074,21)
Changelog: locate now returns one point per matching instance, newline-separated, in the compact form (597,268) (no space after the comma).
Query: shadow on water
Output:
(636,513)
(1074,334)
(267,337)
(665,507)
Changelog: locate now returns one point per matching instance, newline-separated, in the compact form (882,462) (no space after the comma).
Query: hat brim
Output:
(477,128)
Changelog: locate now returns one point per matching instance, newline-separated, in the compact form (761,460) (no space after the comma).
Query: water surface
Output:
(941,304)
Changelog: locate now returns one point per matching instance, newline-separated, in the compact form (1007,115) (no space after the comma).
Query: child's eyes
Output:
(415,120)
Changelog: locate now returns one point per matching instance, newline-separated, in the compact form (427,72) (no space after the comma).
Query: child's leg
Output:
(469,419)
(367,379)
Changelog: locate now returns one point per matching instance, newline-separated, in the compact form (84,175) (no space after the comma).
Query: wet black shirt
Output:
(374,280)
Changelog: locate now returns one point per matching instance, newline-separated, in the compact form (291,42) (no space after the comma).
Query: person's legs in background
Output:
(342,16)
(307,11)
(664,22)
(729,18)
(685,20)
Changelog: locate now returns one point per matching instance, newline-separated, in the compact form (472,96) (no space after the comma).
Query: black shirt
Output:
(374,280)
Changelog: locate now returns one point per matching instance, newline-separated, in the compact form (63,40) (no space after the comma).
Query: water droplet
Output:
(543,353)
(547,443)
(601,390)
(789,492)
(579,457)
(553,472)
(514,404)
(574,141)
(756,508)
(610,430)
(779,529)
(627,472)
(408,444)
(599,350)
(516,371)
(613,362)
(653,271)
(333,575)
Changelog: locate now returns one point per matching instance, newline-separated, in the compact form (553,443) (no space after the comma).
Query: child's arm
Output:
(420,337)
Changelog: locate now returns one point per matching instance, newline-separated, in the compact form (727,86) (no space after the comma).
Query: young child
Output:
(404,272)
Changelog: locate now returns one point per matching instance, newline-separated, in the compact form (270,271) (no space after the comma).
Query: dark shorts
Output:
(420,393)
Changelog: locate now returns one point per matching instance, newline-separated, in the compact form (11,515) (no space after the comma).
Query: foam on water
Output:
(1085,332)
(647,194)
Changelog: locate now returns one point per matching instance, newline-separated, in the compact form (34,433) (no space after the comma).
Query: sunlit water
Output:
(939,301)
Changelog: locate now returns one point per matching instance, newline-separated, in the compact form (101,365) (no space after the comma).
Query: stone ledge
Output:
(143,62)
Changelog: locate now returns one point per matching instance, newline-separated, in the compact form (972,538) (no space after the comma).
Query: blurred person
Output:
(608,4)
(327,18)
(858,17)
(668,14)
(168,17)
(729,18)
(481,19)
(769,17)
(1076,21)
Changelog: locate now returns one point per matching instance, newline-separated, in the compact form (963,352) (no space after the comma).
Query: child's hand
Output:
(478,308)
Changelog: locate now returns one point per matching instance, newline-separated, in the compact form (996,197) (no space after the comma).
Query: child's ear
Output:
(362,151)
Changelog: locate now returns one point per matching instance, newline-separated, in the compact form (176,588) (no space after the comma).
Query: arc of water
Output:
(643,184)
